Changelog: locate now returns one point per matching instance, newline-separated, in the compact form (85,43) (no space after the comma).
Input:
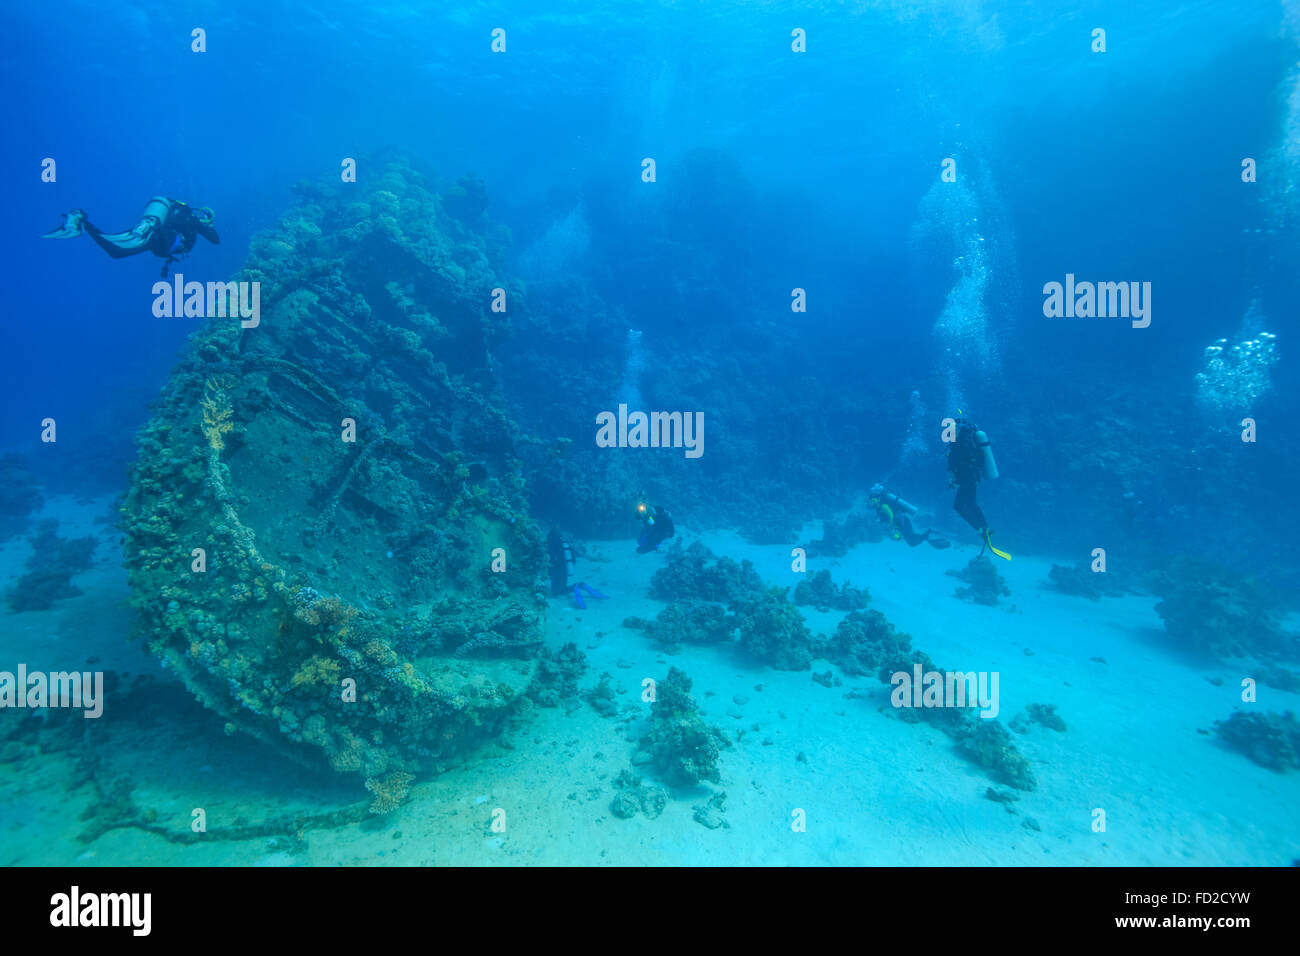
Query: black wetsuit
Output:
(965,466)
(890,511)
(561,558)
(658,528)
(904,524)
(169,228)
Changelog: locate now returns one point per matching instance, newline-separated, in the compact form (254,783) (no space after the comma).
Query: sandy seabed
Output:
(873,789)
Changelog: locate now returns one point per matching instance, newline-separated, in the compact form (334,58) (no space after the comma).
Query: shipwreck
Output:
(326,533)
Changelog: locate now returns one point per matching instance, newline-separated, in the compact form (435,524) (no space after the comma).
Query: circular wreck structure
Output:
(326,535)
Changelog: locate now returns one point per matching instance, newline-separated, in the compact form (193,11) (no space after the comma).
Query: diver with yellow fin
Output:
(970,460)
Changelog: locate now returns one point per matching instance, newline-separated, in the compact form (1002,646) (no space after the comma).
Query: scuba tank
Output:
(988,467)
(159,207)
(892,500)
(898,504)
(976,451)
(561,560)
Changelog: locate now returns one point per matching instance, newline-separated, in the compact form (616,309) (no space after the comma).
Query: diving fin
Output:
(71,228)
(1000,554)
(577,597)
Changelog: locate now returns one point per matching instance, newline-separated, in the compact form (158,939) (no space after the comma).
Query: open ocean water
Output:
(650,434)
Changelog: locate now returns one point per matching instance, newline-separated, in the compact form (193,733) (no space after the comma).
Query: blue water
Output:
(775,171)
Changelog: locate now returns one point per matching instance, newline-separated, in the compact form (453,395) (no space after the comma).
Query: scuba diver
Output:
(561,560)
(169,228)
(658,527)
(896,513)
(970,459)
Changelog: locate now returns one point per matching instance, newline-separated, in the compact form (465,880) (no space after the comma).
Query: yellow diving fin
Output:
(1000,554)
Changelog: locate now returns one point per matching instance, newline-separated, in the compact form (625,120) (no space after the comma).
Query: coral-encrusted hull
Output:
(275,562)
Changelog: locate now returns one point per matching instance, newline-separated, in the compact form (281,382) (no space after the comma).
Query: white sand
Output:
(875,790)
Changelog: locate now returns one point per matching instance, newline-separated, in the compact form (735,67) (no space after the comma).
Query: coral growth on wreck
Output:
(308,547)
(217,410)
(390,790)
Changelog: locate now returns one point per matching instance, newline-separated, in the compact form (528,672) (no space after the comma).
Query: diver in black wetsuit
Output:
(970,459)
(169,228)
(657,527)
(561,560)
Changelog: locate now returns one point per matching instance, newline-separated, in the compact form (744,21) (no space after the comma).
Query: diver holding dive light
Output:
(657,526)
